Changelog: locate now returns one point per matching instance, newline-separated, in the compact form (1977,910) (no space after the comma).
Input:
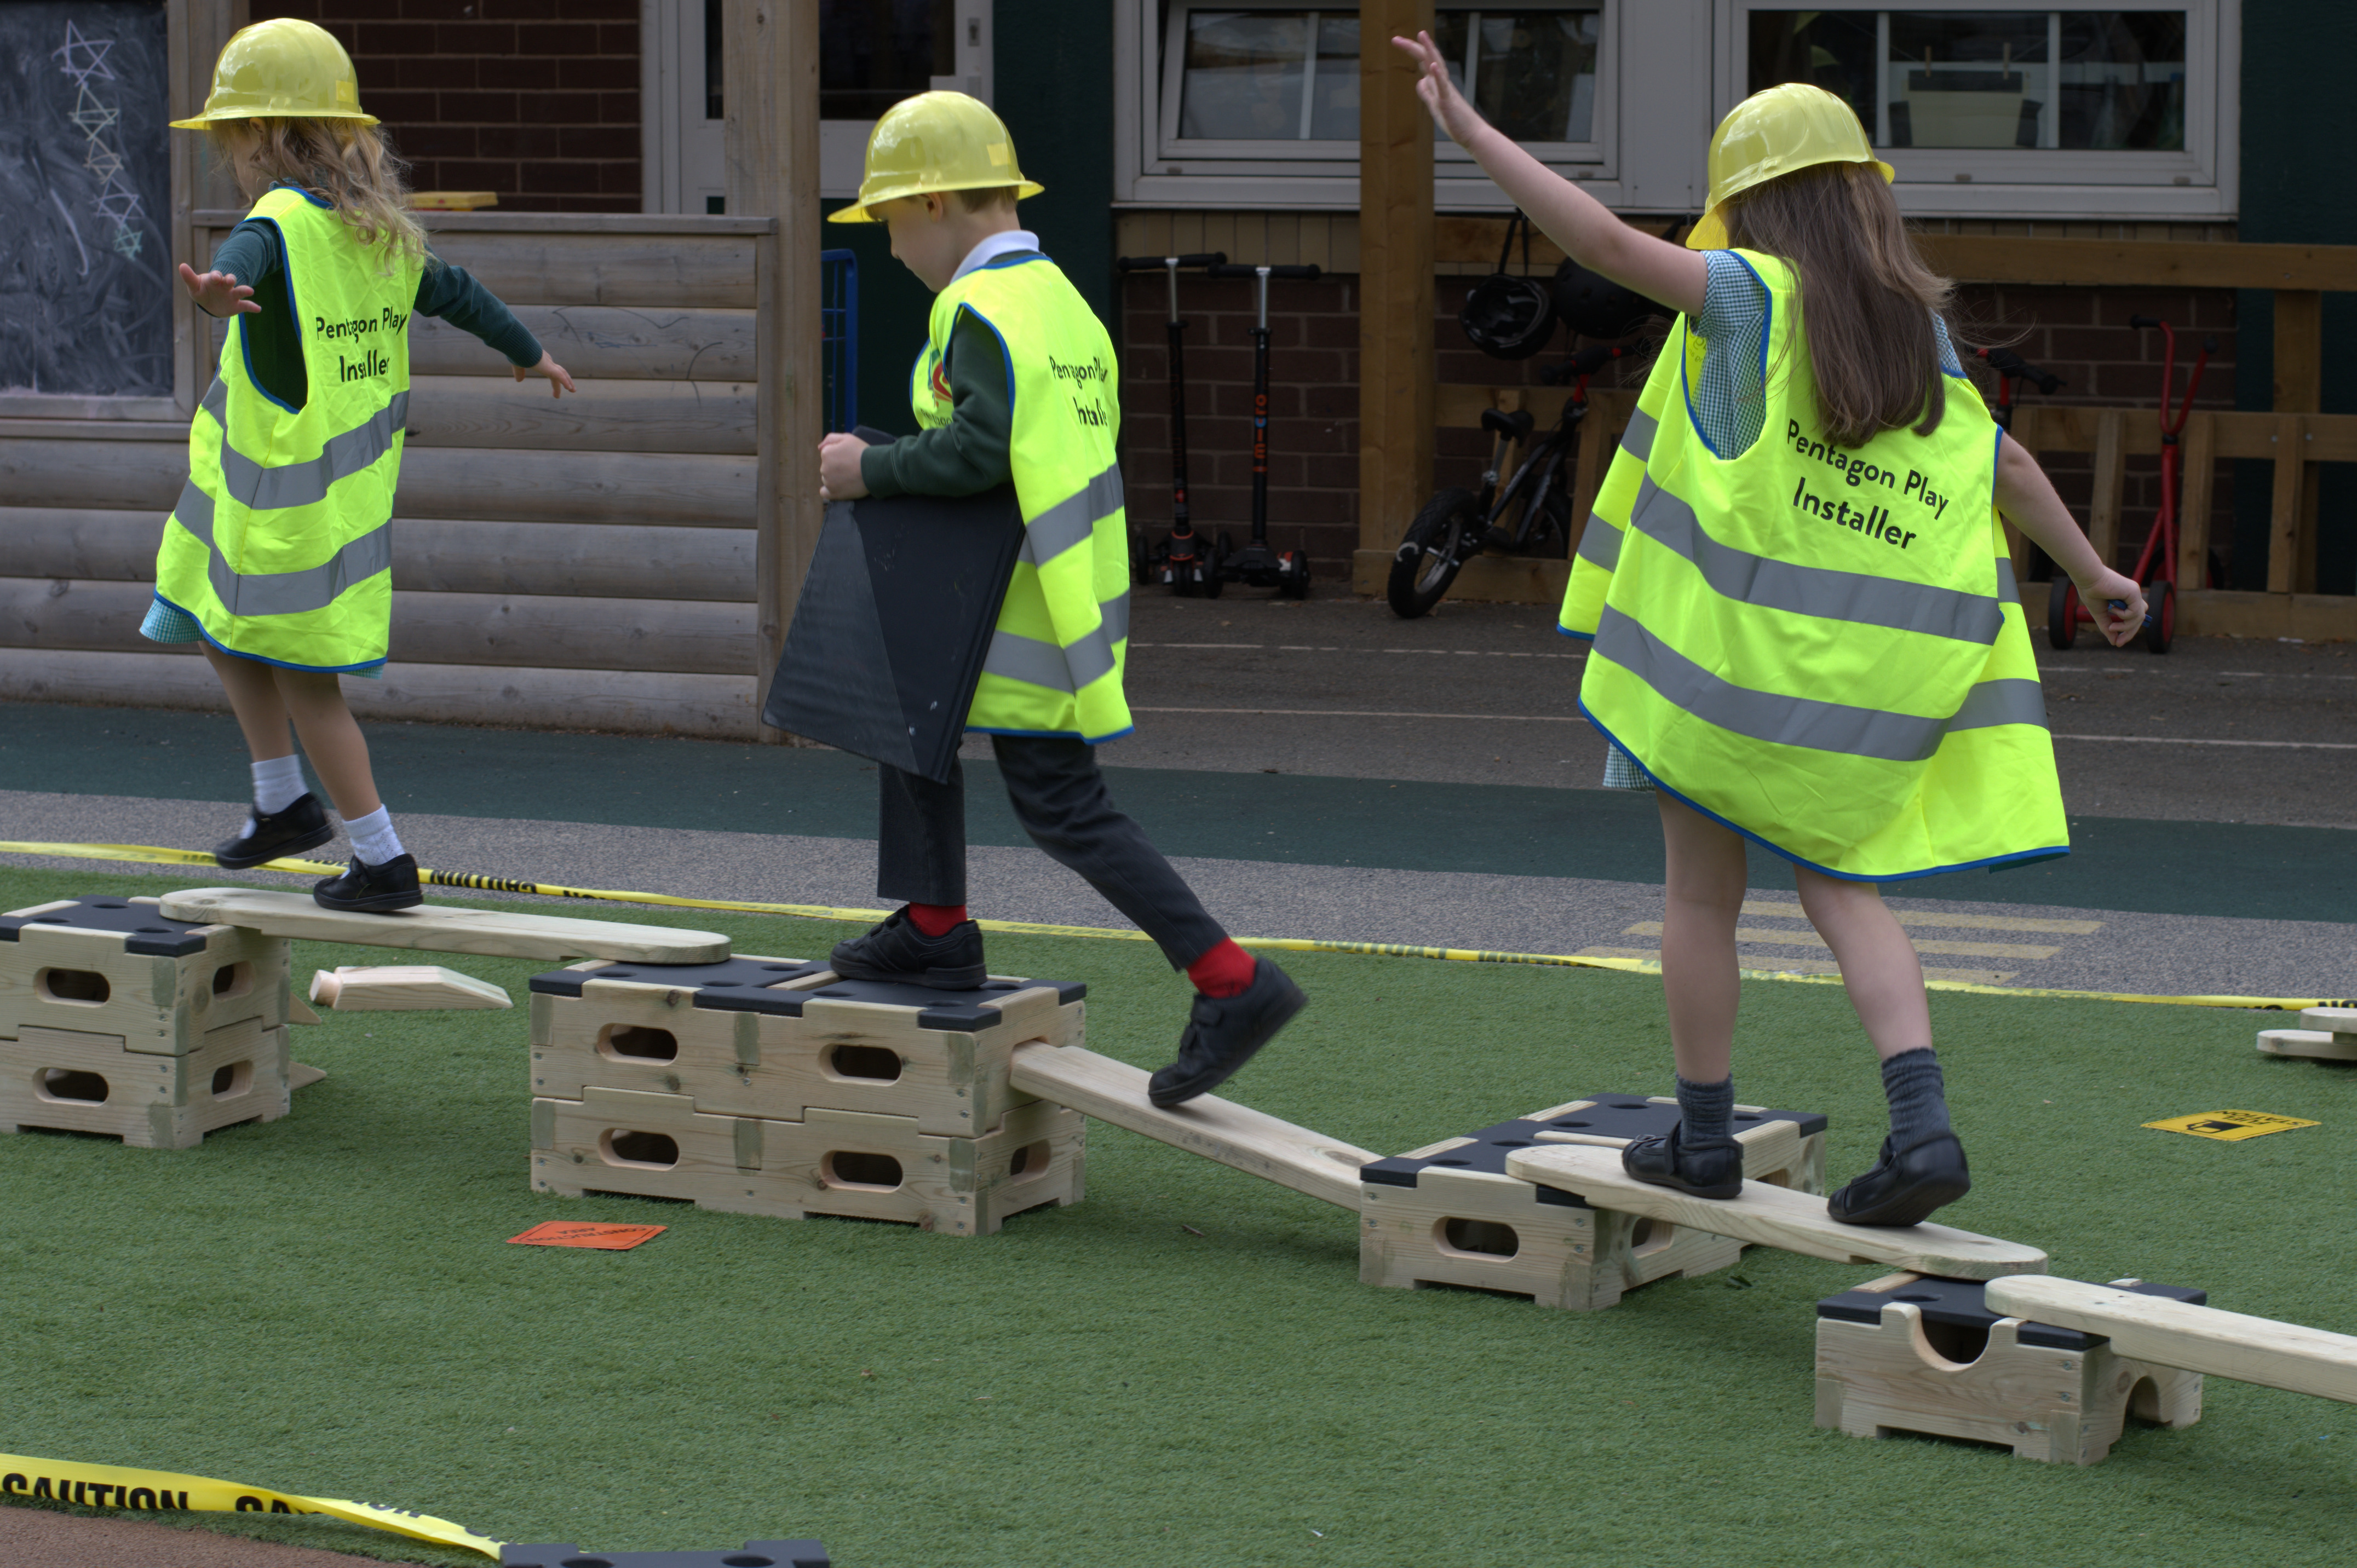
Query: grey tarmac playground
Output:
(1326,770)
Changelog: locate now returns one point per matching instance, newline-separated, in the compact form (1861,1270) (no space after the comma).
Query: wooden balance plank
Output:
(2194,1338)
(1214,1128)
(500,933)
(1773,1217)
(2321,1044)
(403,988)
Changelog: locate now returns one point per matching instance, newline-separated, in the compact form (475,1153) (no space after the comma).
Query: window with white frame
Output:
(872,54)
(2014,109)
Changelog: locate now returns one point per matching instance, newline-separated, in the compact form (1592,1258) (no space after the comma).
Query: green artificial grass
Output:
(327,1305)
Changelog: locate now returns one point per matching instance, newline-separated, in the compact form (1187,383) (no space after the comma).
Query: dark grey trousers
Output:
(1059,798)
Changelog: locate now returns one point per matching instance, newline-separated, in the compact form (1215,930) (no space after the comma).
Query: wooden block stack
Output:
(770,1086)
(1908,1353)
(2331,1036)
(1449,1213)
(118,1021)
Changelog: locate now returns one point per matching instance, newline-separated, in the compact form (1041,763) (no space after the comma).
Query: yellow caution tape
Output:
(154,854)
(118,1487)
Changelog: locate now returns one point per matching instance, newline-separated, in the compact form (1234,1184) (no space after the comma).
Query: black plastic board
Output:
(145,930)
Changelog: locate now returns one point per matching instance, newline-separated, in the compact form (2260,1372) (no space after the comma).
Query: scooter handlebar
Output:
(2143,321)
(2005,362)
(1155,264)
(1245,269)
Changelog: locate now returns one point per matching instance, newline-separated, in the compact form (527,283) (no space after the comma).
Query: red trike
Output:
(2155,567)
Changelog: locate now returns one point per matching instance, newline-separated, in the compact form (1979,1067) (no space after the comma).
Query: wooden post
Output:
(2300,389)
(2111,473)
(1396,373)
(2196,476)
(2284,512)
(771,93)
(196,31)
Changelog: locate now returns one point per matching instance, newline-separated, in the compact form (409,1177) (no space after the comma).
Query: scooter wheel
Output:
(2062,613)
(1213,567)
(2160,615)
(1294,584)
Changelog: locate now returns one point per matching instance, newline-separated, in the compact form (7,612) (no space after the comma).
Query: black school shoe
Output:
(1905,1184)
(1222,1032)
(302,825)
(896,950)
(1708,1170)
(372,888)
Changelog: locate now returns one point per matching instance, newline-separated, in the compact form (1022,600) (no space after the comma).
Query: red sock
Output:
(1225,970)
(936,919)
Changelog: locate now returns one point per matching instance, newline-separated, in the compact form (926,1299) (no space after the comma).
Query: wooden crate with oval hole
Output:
(852,1164)
(115,967)
(1910,1353)
(72,1081)
(781,1038)
(1449,1215)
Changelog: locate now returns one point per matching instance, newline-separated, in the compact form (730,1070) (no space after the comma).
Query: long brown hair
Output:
(342,161)
(1867,296)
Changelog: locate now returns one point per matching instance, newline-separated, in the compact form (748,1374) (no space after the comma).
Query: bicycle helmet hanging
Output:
(1508,316)
(1593,306)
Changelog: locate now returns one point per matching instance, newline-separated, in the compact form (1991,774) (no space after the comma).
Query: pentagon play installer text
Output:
(1018,378)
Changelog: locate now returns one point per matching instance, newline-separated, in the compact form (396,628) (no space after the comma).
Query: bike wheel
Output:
(2062,613)
(2160,611)
(1431,552)
(1294,584)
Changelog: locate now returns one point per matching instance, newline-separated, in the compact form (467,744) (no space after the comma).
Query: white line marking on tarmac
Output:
(1313,648)
(1814,965)
(1765,937)
(1373,714)
(2191,674)
(2185,740)
(1965,922)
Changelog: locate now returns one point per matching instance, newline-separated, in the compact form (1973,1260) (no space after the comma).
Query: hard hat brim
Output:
(1710,234)
(218,116)
(858,212)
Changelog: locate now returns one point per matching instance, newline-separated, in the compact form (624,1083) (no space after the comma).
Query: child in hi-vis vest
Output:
(279,554)
(1805,628)
(1018,381)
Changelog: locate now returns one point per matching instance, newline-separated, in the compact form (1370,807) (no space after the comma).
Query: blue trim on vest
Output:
(965,307)
(1685,391)
(1991,863)
(1766,321)
(212,641)
(1012,259)
(245,345)
(1562,630)
(314,200)
(1055,733)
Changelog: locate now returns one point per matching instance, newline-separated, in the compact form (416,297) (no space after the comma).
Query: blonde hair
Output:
(1867,296)
(986,197)
(348,164)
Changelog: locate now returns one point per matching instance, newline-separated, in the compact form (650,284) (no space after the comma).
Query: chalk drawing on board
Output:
(85,185)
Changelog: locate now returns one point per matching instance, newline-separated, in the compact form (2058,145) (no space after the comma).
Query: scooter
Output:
(2155,567)
(1181,561)
(1286,571)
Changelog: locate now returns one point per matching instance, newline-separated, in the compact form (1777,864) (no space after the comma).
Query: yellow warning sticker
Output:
(2231,1126)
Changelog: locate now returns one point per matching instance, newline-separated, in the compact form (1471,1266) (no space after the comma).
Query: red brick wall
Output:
(2080,335)
(536,100)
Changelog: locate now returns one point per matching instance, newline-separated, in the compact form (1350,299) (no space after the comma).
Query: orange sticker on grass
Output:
(573,1233)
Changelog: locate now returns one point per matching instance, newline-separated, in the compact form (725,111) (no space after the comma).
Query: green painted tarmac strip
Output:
(2233,869)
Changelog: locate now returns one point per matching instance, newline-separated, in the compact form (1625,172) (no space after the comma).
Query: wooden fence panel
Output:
(633,417)
(599,342)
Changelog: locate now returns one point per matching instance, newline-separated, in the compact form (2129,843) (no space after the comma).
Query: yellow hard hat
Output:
(282,68)
(935,141)
(1771,133)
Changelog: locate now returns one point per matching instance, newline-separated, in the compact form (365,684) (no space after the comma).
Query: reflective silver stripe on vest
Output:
(1638,439)
(2007,588)
(282,592)
(1037,663)
(1599,543)
(1858,597)
(1072,520)
(302,484)
(1802,720)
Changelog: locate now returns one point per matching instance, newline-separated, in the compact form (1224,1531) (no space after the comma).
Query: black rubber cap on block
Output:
(1961,1304)
(753,1554)
(144,930)
(745,985)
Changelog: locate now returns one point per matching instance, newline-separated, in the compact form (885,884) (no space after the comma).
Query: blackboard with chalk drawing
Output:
(86,187)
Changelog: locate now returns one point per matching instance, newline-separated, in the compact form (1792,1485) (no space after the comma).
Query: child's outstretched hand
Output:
(1447,106)
(559,383)
(2107,589)
(218,293)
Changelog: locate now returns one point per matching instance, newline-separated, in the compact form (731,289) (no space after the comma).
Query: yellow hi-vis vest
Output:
(1822,648)
(1055,657)
(281,543)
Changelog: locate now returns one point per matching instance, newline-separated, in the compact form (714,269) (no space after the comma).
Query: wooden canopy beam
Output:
(1397,374)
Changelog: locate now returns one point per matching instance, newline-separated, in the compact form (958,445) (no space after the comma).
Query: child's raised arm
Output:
(1574,220)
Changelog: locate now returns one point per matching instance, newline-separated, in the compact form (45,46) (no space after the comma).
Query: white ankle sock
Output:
(373,837)
(277,784)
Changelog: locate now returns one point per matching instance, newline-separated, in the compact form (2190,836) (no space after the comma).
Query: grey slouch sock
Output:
(1705,1111)
(1919,1107)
